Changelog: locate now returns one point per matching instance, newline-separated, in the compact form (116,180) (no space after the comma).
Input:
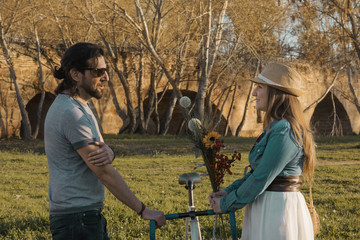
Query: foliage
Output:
(171,39)
(154,179)
(208,145)
(328,31)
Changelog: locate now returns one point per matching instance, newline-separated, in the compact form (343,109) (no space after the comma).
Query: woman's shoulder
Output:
(280,124)
(284,128)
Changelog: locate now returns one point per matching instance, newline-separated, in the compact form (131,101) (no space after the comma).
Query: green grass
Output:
(151,166)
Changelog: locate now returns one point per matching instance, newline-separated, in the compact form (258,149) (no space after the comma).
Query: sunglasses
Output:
(97,72)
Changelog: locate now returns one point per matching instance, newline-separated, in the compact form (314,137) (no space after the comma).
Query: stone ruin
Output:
(339,99)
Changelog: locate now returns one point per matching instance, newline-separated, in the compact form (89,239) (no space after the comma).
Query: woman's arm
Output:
(278,152)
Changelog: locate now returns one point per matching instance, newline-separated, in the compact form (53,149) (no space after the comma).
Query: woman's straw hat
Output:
(281,77)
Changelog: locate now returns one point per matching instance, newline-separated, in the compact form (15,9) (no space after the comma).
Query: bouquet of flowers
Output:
(208,144)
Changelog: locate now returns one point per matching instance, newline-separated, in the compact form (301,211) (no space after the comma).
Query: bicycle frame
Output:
(192,221)
(195,214)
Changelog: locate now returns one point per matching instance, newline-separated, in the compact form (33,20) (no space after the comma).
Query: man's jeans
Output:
(90,225)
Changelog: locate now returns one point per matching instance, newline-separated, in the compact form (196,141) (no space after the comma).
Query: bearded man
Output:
(78,159)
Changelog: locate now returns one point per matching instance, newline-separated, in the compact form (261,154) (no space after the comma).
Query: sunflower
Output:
(210,139)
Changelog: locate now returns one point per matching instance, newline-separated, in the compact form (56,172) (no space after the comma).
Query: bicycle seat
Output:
(189,179)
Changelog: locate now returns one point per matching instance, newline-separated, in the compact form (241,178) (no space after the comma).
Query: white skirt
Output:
(278,216)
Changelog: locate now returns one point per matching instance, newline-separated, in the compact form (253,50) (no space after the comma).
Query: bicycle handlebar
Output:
(189,214)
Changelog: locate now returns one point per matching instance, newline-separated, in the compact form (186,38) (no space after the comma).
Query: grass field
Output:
(151,166)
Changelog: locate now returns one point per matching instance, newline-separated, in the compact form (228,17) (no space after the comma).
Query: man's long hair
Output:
(76,56)
(285,106)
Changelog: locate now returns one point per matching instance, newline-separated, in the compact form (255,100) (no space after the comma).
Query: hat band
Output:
(268,81)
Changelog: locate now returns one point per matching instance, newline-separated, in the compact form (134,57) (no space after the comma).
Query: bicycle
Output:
(192,225)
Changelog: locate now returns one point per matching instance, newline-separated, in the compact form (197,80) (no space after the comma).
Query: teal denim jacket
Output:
(277,154)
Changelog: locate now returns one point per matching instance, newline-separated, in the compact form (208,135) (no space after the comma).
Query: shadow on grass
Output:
(35,224)
(21,146)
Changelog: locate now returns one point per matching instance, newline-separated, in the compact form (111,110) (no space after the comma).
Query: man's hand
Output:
(101,156)
(158,216)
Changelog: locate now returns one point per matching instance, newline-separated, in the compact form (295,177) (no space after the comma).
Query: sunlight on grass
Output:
(151,166)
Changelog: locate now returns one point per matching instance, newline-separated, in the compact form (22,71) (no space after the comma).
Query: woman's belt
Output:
(285,184)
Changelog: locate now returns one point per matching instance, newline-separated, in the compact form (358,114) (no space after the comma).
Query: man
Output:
(78,159)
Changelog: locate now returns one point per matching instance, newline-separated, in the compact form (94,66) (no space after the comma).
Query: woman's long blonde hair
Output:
(285,106)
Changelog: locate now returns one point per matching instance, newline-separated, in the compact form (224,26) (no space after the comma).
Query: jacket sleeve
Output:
(236,184)
(280,149)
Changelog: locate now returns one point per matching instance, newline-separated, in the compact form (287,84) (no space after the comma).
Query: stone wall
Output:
(27,77)
(315,85)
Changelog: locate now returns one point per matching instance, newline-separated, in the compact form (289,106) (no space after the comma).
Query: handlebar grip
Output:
(172,216)
(210,212)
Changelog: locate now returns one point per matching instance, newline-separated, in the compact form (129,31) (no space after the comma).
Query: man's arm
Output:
(102,155)
(112,179)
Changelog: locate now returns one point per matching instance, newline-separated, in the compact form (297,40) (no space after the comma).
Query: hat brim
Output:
(292,91)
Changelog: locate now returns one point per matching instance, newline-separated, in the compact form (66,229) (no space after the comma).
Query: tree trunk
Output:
(41,79)
(230,110)
(208,57)
(336,130)
(165,123)
(238,129)
(152,106)
(219,115)
(98,119)
(24,115)
(141,125)
(204,74)
(3,124)
(208,109)
(130,109)
(118,109)
(356,100)
(149,109)
(156,113)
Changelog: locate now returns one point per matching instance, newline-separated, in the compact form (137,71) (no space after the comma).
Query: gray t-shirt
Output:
(73,187)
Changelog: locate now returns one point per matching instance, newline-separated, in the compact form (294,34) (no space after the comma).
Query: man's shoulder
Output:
(64,106)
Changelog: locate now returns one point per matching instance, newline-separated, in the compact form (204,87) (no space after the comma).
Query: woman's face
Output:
(261,94)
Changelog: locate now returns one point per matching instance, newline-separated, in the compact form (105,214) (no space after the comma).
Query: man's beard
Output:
(96,93)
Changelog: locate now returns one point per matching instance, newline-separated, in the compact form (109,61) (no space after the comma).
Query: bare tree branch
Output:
(326,91)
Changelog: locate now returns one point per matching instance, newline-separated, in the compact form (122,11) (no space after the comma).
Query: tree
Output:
(34,21)
(330,37)
(117,47)
(15,13)
(149,39)
(209,48)
(188,41)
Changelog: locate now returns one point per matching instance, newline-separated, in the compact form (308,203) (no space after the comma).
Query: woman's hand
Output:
(215,205)
(214,200)
(219,194)
(101,156)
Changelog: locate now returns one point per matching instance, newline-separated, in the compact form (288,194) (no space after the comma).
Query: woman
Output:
(284,151)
